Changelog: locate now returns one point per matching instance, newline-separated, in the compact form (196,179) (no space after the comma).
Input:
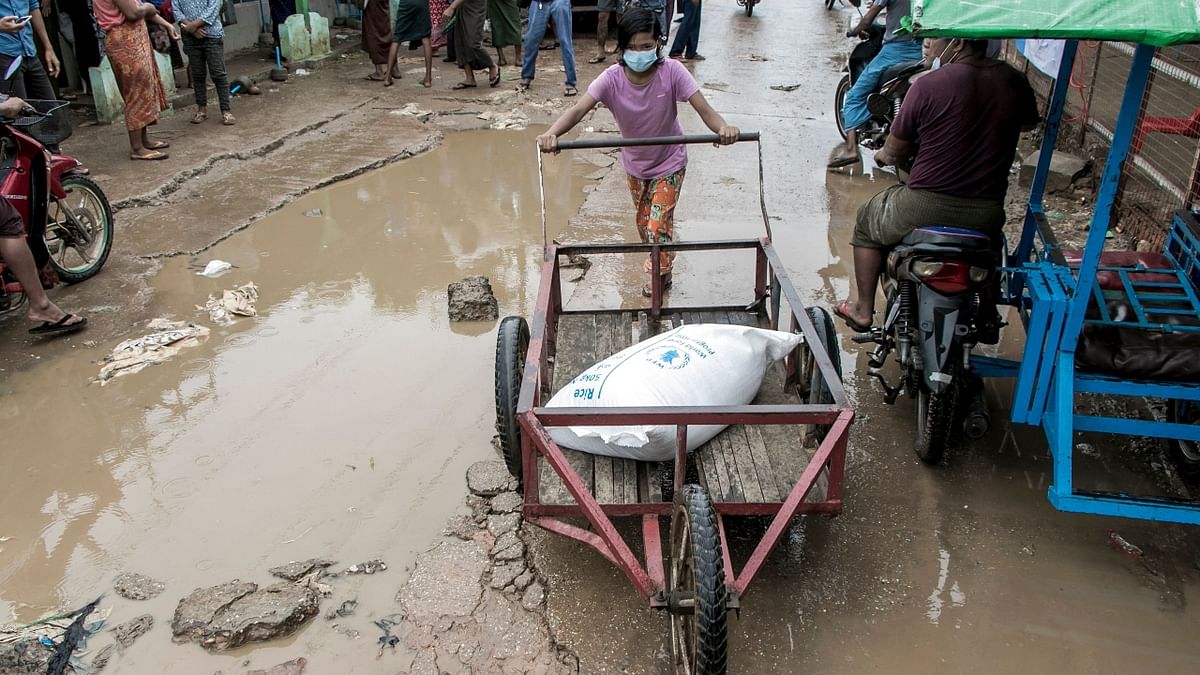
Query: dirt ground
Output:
(341,420)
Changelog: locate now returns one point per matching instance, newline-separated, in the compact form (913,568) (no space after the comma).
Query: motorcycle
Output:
(941,284)
(68,220)
(884,104)
(748,5)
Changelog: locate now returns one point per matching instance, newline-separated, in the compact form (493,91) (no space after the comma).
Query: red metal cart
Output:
(781,456)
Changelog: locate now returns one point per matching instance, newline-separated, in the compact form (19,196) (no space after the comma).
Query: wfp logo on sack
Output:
(668,358)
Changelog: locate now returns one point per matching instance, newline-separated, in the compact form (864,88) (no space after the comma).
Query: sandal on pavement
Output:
(524,85)
(599,58)
(150,156)
(199,117)
(228,119)
(60,327)
(463,85)
(570,91)
(494,80)
(844,314)
(157,145)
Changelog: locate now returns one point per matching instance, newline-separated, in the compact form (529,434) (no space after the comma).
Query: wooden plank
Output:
(576,353)
(625,477)
(739,449)
(768,474)
(603,466)
(726,471)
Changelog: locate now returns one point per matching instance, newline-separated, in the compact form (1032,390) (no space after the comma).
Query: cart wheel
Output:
(1186,454)
(814,390)
(512,343)
(935,421)
(839,99)
(698,595)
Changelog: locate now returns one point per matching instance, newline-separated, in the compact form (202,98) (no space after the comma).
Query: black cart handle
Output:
(690,139)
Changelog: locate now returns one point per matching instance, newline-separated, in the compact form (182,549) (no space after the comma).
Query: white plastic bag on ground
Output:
(694,365)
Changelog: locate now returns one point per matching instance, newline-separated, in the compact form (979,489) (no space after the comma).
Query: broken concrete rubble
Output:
(133,629)
(490,478)
(472,300)
(133,586)
(1064,169)
(232,614)
(297,569)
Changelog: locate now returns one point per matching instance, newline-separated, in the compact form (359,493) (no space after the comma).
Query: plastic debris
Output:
(313,213)
(343,610)
(752,57)
(215,268)
(165,340)
(1123,545)
(785,87)
(237,302)
(387,639)
(301,72)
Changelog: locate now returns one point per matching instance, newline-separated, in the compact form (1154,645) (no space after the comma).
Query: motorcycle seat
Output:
(902,70)
(957,237)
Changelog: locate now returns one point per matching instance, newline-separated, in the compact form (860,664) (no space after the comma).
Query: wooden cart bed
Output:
(752,464)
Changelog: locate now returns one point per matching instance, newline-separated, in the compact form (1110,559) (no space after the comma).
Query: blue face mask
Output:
(640,62)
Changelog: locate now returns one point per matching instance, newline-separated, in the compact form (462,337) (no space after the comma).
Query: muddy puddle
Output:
(338,423)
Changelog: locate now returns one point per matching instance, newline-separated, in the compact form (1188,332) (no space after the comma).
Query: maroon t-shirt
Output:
(966,120)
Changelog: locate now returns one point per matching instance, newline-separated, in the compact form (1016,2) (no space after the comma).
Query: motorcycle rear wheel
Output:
(750,7)
(79,230)
(935,415)
(839,99)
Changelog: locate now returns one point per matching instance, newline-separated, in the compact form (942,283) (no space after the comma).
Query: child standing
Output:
(204,43)
(642,91)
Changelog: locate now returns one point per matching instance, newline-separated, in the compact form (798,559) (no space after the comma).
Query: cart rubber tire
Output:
(935,414)
(814,389)
(750,7)
(1185,454)
(71,183)
(512,342)
(839,100)
(697,566)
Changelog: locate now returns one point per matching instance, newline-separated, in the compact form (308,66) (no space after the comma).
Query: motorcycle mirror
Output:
(13,68)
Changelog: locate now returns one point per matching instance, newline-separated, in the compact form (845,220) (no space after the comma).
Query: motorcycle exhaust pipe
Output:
(977,419)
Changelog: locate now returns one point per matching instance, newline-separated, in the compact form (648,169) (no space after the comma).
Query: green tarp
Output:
(1156,22)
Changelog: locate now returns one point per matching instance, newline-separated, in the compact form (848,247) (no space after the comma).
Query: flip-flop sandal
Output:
(839,162)
(60,327)
(462,85)
(597,59)
(524,85)
(844,315)
(155,155)
(373,78)
(570,91)
(494,81)
(546,48)
(199,117)
(158,145)
(228,119)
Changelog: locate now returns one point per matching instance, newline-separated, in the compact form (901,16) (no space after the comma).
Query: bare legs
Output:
(19,259)
(393,73)
(868,265)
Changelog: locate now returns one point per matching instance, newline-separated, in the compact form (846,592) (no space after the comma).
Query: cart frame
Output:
(770,287)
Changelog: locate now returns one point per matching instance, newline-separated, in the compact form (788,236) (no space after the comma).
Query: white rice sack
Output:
(693,365)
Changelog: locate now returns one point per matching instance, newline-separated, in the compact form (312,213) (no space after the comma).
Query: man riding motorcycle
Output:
(19,259)
(896,49)
(962,121)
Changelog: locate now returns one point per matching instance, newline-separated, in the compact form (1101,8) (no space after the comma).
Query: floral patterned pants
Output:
(655,200)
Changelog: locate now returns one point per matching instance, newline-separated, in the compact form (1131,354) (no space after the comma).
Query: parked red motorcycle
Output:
(68,221)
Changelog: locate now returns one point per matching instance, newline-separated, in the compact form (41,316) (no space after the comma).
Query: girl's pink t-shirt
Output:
(108,16)
(647,110)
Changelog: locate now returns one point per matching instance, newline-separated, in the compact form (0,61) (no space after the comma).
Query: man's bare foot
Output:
(51,313)
(427,82)
(857,318)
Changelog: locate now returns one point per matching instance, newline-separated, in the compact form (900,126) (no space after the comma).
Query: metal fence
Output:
(1162,173)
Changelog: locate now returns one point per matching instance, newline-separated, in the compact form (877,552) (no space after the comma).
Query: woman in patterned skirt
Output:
(127,43)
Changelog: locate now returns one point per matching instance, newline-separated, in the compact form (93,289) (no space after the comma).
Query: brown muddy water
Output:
(338,423)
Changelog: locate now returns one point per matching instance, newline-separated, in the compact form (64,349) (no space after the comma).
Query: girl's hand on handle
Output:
(728,135)
(548,143)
